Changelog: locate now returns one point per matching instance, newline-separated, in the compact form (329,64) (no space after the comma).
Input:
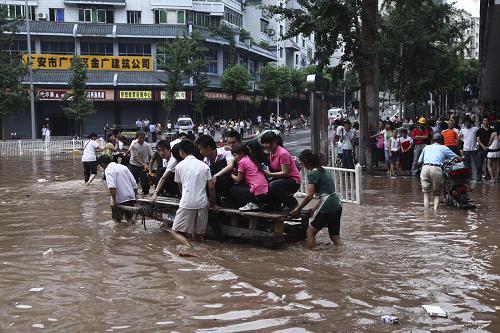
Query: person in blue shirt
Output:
(431,176)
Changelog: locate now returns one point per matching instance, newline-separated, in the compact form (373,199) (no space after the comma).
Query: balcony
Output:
(290,45)
(116,3)
(173,4)
(216,7)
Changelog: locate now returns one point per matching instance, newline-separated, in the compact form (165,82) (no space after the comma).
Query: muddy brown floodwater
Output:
(103,278)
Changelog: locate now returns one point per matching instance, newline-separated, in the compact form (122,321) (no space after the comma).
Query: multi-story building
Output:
(120,41)
(472,35)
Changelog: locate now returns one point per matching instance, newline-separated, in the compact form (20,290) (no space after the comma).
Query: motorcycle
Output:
(457,185)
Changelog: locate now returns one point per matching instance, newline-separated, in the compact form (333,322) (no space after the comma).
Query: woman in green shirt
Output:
(328,210)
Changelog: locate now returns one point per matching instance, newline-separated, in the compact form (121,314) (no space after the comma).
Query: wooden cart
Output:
(265,228)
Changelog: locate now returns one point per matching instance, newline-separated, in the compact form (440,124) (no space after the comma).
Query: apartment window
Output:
(281,31)
(96,48)
(281,52)
(105,16)
(134,49)
(20,46)
(251,69)
(303,61)
(303,42)
(164,16)
(85,14)
(211,58)
(296,59)
(264,25)
(309,53)
(133,17)
(17,12)
(58,47)
(227,61)
(233,17)
(96,14)
(56,14)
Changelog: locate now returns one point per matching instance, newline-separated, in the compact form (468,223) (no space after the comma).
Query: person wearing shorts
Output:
(328,210)
(431,176)
(194,178)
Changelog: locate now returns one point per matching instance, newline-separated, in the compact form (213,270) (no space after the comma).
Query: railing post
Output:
(73,143)
(358,172)
(20,149)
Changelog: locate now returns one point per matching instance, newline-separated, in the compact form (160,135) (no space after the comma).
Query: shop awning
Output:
(95,2)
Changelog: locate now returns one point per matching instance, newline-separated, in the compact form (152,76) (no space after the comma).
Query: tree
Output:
(12,95)
(275,82)
(351,24)
(420,46)
(78,106)
(175,63)
(197,69)
(234,81)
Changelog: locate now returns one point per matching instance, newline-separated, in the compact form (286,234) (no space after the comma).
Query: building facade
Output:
(120,40)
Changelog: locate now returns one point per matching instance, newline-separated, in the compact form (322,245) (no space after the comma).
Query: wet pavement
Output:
(101,277)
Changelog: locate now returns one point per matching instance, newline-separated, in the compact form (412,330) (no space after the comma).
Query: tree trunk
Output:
(369,79)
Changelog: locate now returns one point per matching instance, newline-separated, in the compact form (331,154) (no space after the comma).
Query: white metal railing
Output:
(347,183)
(20,147)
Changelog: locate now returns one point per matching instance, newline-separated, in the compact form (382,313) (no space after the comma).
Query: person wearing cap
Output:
(431,176)
(420,135)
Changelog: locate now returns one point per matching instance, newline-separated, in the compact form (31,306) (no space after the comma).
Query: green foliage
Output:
(275,81)
(421,48)
(13,97)
(226,32)
(197,68)
(264,45)
(176,67)
(77,106)
(235,80)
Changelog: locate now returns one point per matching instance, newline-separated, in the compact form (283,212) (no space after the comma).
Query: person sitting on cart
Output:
(220,161)
(166,185)
(328,211)
(251,187)
(283,171)
(431,176)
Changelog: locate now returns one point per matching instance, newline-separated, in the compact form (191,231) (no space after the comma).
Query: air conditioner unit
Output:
(42,16)
(270,32)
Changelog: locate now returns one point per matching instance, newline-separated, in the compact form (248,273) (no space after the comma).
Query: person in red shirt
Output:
(420,135)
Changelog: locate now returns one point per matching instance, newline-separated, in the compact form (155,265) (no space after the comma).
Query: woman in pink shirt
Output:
(251,186)
(283,171)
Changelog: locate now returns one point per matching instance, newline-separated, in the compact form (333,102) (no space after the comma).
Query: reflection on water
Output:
(105,278)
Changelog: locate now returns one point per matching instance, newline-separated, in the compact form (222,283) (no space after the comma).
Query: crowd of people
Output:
(397,145)
(251,176)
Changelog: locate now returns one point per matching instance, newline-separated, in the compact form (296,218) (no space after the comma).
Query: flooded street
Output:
(103,278)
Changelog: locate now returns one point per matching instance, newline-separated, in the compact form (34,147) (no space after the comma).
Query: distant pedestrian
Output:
(420,135)
(395,147)
(89,158)
(140,152)
(406,152)
(138,124)
(47,134)
(152,130)
(483,138)
(494,153)
(468,134)
(44,131)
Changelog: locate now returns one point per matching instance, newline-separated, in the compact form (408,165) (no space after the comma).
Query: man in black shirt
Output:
(483,138)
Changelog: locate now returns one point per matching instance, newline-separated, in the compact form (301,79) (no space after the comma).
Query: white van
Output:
(185,125)
(334,113)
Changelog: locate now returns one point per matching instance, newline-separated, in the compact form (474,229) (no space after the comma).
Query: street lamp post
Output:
(30,70)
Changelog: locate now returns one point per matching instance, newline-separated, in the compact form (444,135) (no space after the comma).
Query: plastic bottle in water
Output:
(390,319)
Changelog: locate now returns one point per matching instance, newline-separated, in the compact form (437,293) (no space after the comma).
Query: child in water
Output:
(328,210)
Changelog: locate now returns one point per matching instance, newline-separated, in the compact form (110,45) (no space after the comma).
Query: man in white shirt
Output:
(220,161)
(165,184)
(152,130)
(122,187)
(140,154)
(346,136)
(193,177)
(468,135)
(89,158)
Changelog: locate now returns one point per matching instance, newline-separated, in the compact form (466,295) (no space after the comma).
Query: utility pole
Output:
(30,70)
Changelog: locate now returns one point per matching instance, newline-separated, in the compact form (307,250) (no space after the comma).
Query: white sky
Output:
(472,6)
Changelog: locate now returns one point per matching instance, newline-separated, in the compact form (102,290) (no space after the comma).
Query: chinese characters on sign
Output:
(224,96)
(58,94)
(136,94)
(179,95)
(103,63)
